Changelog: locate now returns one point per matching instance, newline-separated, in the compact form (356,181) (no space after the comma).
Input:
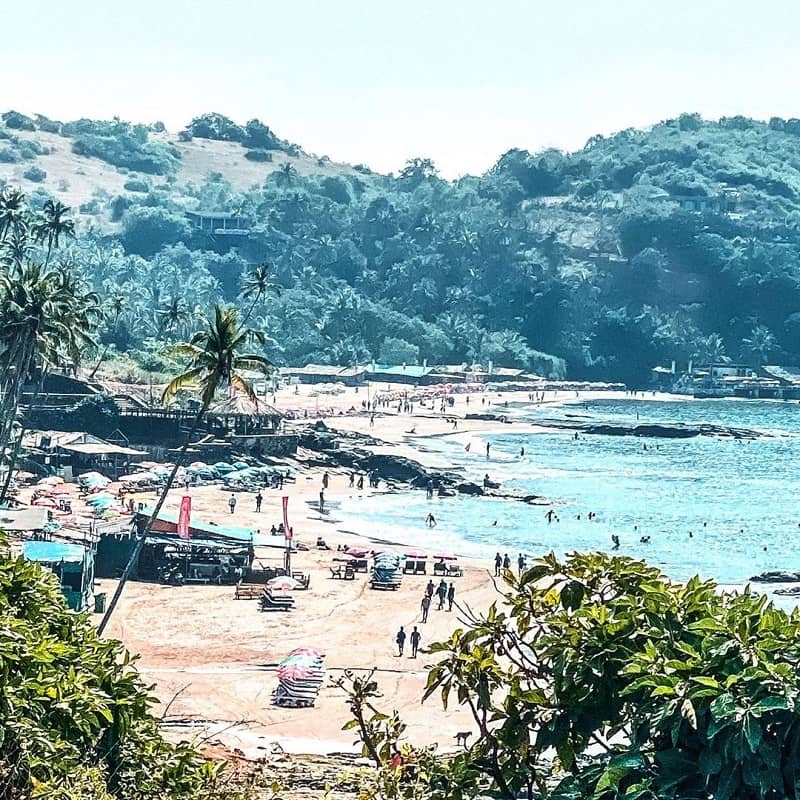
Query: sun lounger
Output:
(248,591)
(271,602)
(343,572)
(454,571)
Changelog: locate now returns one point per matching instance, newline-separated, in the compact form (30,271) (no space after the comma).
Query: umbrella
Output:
(45,501)
(356,552)
(445,557)
(297,672)
(283,583)
(345,559)
(307,651)
(198,465)
(51,480)
(416,554)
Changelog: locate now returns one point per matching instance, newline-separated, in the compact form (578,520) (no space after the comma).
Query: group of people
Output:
(504,562)
(444,594)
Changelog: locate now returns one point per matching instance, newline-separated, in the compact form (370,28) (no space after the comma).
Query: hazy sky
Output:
(460,81)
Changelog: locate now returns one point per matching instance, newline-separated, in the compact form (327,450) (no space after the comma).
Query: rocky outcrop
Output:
(674,430)
(777,576)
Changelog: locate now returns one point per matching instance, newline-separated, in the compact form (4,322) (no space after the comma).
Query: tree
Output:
(760,345)
(285,175)
(146,230)
(214,363)
(398,351)
(637,686)
(257,283)
(14,213)
(54,225)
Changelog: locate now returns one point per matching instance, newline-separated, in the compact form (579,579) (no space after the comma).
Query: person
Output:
(273,531)
(486,481)
(325,480)
(441,593)
(425,606)
(401,641)
(506,562)
(498,564)
(451,596)
(430,520)
(550,514)
(521,563)
(352,479)
(259,500)
(372,420)
(522,452)
(415,637)
(488,448)
(232,503)
(280,480)
(429,588)
(615,541)
(430,488)
(360,484)
(321,500)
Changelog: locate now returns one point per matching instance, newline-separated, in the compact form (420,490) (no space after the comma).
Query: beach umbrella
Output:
(445,557)
(297,672)
(356,552)
(222,468)
(416,554)
(307,651)
(51,480)
(198,465)
(283,583)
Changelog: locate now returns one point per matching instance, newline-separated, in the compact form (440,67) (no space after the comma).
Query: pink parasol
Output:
(416,554)
(45,502)
(446,557)
(51,480)
(297,672)
(356,552)
(307,651)
(283,583)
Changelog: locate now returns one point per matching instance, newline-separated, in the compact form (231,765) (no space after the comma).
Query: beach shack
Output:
(72,564)
(211,554)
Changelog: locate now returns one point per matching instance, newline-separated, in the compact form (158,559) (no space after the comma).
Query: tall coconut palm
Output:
(257,283)
(14,212)
(54,225)
(214,363)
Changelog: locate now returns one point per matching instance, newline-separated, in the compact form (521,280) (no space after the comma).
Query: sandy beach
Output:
(211,658)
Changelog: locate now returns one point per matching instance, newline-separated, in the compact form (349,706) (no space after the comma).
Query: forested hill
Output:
(672,243)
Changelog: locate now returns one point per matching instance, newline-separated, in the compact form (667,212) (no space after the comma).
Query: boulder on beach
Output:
(777,576)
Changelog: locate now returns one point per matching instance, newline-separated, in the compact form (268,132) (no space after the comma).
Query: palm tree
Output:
(285,175)
(760,345)
(14,213)
(214,362)
(53,225)
(115,306)
(255,286)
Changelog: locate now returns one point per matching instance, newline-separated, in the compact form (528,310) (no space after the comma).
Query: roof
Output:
(52,552)
(313,369)
(506,371)
(216,532)
(23,519)
(788,374)
(241,405)
(213,214)
(410,370)
(101,448)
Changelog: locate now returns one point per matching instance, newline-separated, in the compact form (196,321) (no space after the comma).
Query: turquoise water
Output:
(735,499)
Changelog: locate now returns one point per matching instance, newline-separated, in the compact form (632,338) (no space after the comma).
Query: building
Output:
(325,373)
(218,223)
(73,566)
(410,374)
(77,452)
(722,203)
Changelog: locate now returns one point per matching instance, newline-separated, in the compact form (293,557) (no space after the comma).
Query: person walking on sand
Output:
(325,480)
(259,501)
(429,588)
(425,606)
(498,564)
(506,562)
(441,593)
(451,596)
(415,637)
(360,484)
(521,563)
(352,479)
(321,500)
(232,503)
(401,641)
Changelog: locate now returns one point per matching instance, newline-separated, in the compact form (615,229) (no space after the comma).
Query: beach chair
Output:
(247,591)
(270,602)
(454,571)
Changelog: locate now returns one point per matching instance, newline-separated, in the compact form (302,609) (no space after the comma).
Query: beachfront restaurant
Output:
(211,554)
(73,566)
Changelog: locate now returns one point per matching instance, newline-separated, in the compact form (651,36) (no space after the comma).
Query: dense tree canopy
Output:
(640,248)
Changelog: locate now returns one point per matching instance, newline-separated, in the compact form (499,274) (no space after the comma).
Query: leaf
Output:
(688,713)
(771,704)
(710,761)
(723,707)
(752,732)
(704,680)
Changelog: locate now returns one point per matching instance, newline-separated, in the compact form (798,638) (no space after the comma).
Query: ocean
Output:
(739,501)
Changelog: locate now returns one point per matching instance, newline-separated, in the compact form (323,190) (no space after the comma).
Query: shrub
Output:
(9,155)
(13,119)
(34,174)
(258,155)
(137,185)
(217,127)
(47,125)
(125,151)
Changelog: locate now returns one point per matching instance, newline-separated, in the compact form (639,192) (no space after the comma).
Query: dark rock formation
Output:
(777,576)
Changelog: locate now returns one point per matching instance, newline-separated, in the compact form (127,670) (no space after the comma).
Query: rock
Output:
(777,576)
(791,591)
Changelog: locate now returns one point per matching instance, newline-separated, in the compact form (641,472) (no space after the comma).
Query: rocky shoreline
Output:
(325,447)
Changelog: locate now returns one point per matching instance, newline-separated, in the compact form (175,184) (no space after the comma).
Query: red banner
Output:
(287,531)
(184,517)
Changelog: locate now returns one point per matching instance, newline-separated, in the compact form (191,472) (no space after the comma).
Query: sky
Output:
(458,81)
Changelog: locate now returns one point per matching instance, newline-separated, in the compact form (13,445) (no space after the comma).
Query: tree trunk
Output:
(137,549)
(99,362)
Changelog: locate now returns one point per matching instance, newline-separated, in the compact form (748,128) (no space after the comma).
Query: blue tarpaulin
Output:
(53,552)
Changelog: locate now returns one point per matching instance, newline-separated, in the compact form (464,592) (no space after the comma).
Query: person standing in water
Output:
(488,448)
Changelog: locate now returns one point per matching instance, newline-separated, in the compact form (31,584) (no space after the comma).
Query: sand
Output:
(211,657)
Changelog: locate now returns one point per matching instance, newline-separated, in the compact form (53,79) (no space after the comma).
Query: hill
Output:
(676,242)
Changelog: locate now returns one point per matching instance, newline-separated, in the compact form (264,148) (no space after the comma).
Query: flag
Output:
(184,517)
(467,446)
(287,531)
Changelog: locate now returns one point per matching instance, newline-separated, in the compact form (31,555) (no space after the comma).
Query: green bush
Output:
(9,155)
(145,230)
(137,185)
(13,119)
(34,174)
(75,716)
(258,155)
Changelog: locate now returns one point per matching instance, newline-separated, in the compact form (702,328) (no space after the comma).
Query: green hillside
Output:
(675,242)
